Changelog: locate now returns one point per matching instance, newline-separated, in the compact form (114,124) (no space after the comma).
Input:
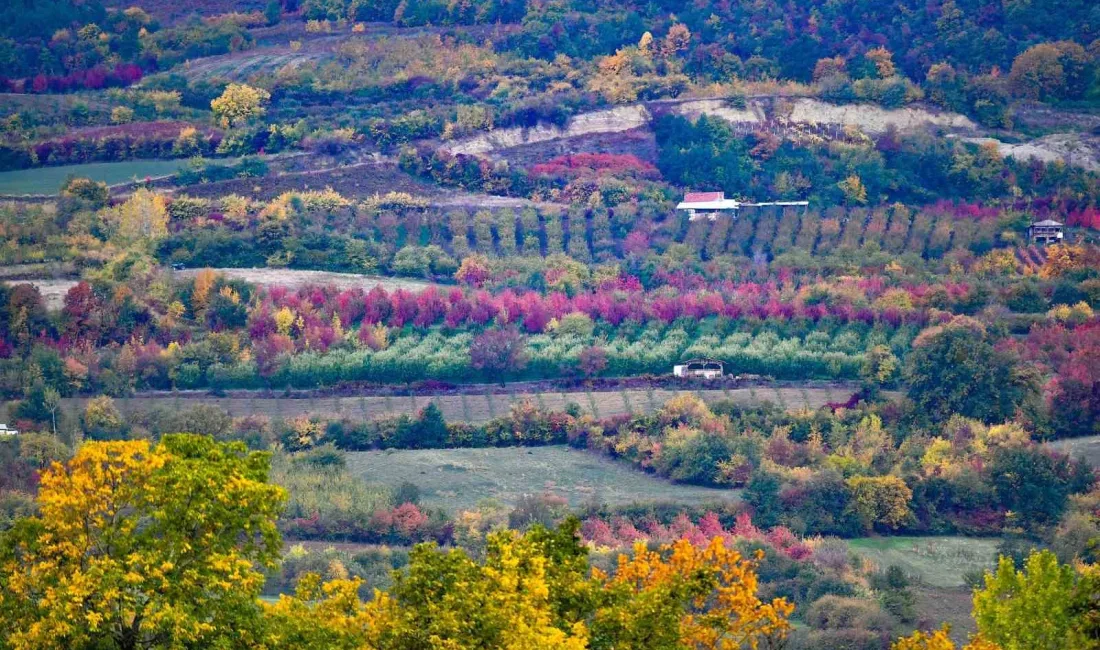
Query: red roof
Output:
(703,197)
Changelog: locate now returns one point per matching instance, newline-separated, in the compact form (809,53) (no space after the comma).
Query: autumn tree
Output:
(939,640)
(880,500)
(95,193)
(498,351)
(689,596)
(1051,71)
(830,67)
(201,287)
(140,546)
(883,62)
(1028,609)
(1043,605)
(592,361)
(102,419)
(239,104)
(536,590)
(954,369)
(676,40)
(474,270)
(854,190)
(142,218)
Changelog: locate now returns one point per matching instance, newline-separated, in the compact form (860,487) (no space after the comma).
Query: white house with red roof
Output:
(712,204)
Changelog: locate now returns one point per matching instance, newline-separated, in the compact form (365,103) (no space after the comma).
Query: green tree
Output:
(140,547)
(762,493)
(1028,609)
(273,12)
(954,369)
(1033,484)
(879,367)
(880,500)
(412,261)
(895,594)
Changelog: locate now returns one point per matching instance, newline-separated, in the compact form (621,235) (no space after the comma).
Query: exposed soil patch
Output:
(1044,118)
(1087,448)
(1073,148)
(53,291)
(169,11)
(295,279)
(639,142)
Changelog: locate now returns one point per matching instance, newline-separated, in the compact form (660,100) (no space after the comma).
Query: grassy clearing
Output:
(1087,448)
(457,479)
(935,561)
(48,180)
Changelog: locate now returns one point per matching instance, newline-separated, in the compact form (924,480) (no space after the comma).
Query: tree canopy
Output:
(141,546)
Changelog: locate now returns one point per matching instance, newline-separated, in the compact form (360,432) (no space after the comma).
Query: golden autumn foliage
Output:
(204,283)
(716,590)
(143,546)
(158,546)
(239,103)
(1065,258)
(939,640)
(880,500)
(854,190)
(535,590)
(143,217)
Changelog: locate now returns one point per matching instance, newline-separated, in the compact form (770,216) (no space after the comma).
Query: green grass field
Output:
(935,561)
(48,180)
(456,479)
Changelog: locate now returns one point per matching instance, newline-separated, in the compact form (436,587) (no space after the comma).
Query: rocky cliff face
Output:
(1072,148)
(873,119)
(615,120)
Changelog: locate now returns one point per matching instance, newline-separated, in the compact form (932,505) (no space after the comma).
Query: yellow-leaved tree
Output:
(142,218)
(880,500)
(238,104)
(689,596)
(536,590)
(1044,605)
(141,546)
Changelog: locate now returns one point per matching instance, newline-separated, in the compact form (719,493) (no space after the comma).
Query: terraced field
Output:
(244,66)
(475,408)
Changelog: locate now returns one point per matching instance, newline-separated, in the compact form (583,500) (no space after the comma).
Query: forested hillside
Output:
(379,324)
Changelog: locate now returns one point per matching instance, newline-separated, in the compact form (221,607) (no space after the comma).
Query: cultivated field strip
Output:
(477,407)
